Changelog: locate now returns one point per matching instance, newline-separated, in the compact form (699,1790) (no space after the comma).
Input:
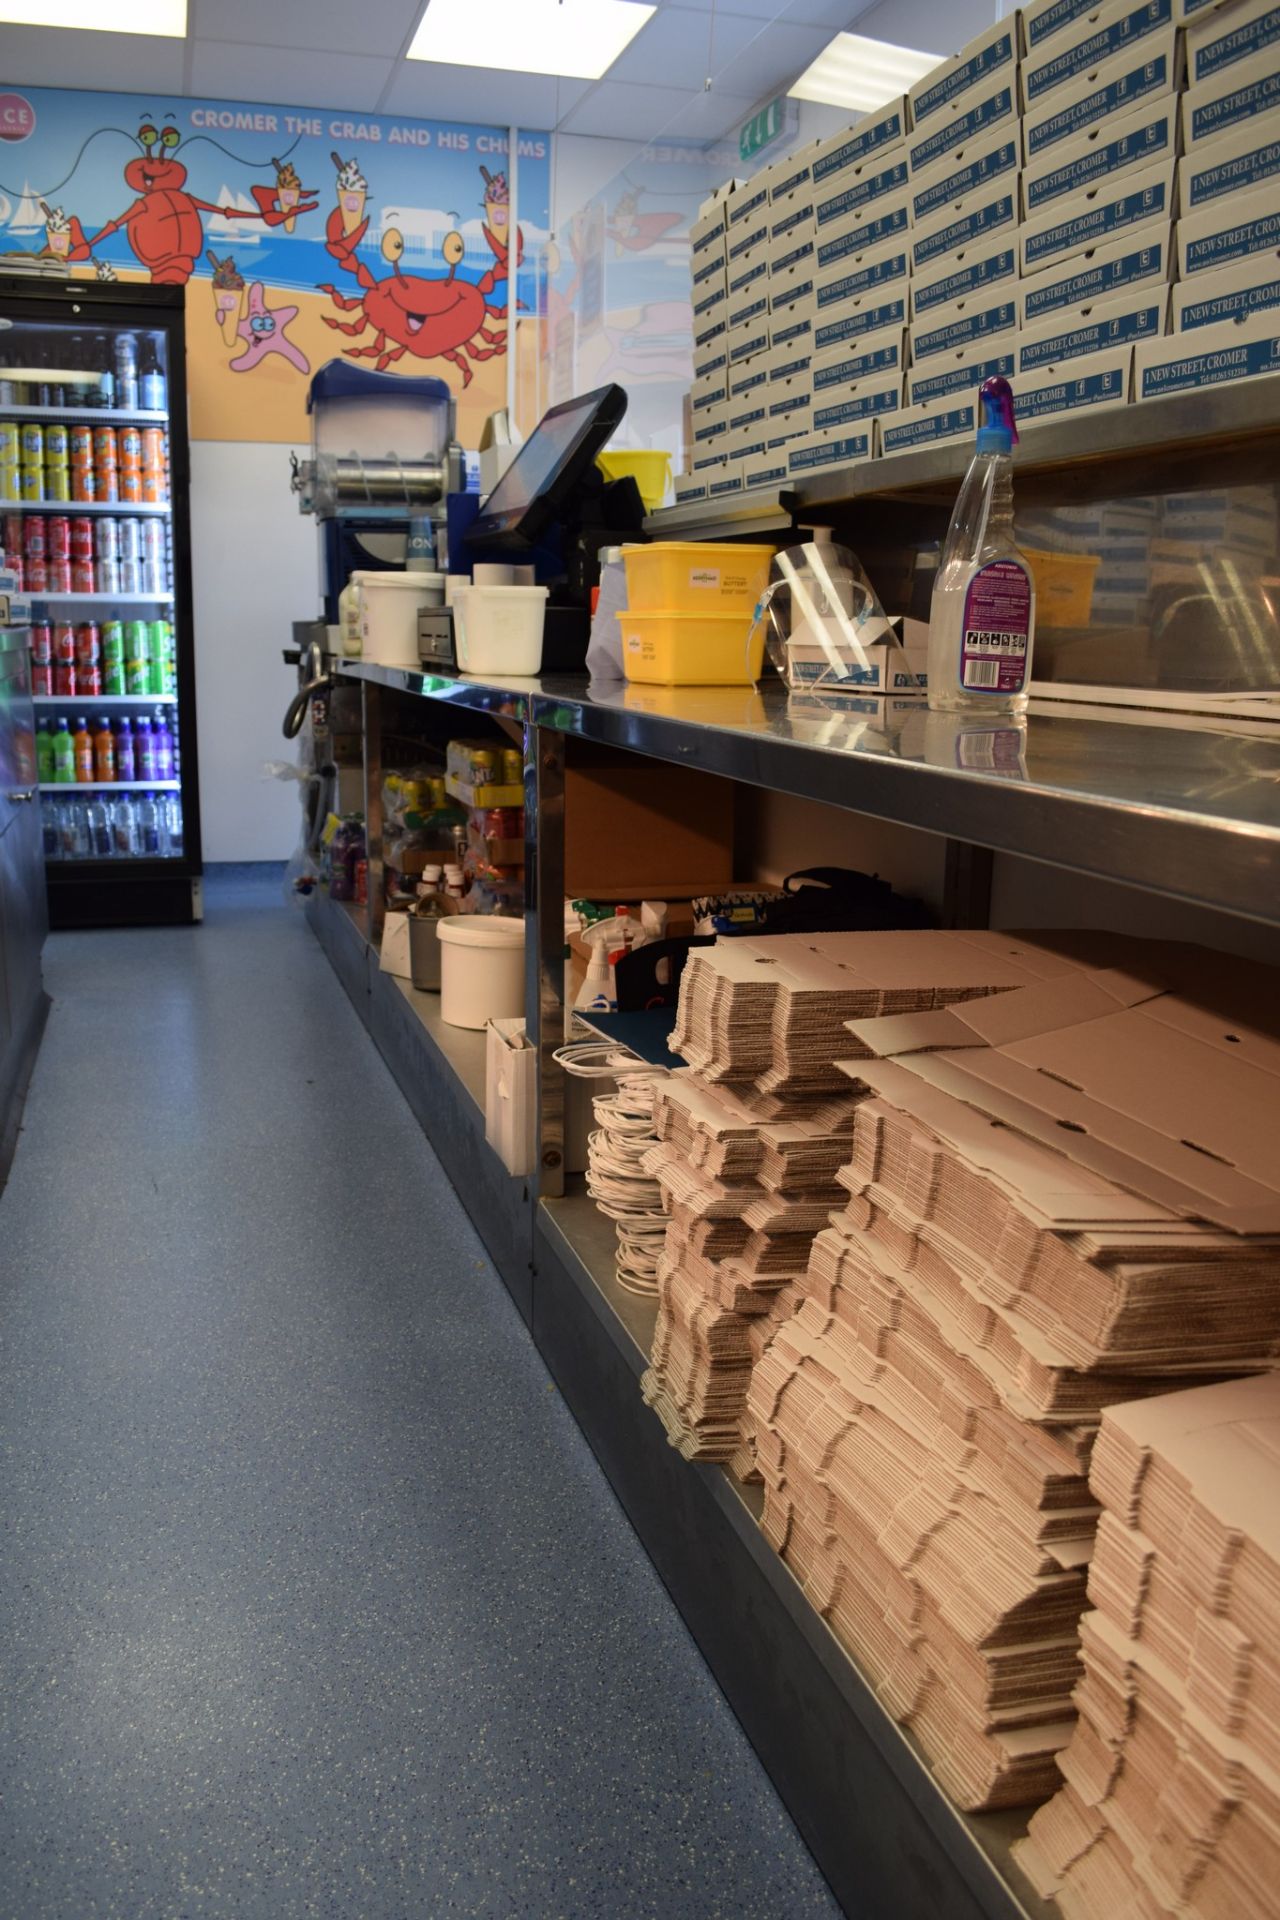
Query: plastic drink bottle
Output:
(144,751)
(82,749)
(104,750)
(163,740)
(99,824)
(148,826)
(124,828)
(44,754)
(173,824)
(49,824)
(982,617)
(125,764)
(64,753)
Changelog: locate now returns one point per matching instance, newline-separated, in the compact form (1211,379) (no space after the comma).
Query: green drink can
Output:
(137,657)
(113,679)
(162,675)
(112,641)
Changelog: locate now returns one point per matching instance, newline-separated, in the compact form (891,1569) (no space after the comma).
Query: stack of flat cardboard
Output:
(1059,1198)
(1172,1795)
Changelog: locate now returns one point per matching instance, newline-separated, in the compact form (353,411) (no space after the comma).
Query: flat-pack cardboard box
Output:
(983,268)
(1113,33)
(1045,19)
(871,312)
(860,232)
(709,390)
(1208,356)
(745,202)
(881,177)
(689,488)
(750,308)
(970,117)
(987,315)
(725,481)
(1233,293)
(1092,332)
(710,329)
(747,338)
(710,356)
(793,287)
(822,452)
(710,308)
(1239,162)
(1237,97)
(791,421)
(749,236)
(853,146)
(1104,213)
(630,824)
(793,326)
(750,267)
(1139,261)
(973,172)
(792,395)
(1146,72)
(884,267)
(767,469)
(793,173)
(1126,144)
(1228,231)
(928,426)
(847,406)
(970,71)
(948,375)
(964,223)
(870,353)
(747,375)
(1230,38)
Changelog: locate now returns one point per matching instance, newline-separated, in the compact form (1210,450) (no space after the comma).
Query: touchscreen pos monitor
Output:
(538,488)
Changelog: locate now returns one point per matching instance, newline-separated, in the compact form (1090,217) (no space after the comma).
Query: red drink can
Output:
(106,449)
(82,576)
(12,536)
(42,679)
(41,642)
(89,679)
(34,541)
(88,643)
(58,536)
(35,569)
(57,576)
(84,483)
(81,447)
(81,531)
(16,568)
(64,643)
(64,680)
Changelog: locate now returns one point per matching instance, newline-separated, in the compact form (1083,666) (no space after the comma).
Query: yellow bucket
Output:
(692,649)
(649,468)
(1064,586)
(696,576)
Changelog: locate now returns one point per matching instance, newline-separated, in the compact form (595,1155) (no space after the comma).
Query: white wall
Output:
(255,571)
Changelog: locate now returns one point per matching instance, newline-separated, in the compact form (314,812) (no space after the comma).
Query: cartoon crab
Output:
(431,319)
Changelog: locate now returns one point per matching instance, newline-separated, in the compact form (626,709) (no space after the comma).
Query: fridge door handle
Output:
(20,796)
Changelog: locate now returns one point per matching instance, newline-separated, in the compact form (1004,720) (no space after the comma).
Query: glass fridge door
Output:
(87,527)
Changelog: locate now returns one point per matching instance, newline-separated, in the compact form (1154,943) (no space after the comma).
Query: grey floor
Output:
(313,1600)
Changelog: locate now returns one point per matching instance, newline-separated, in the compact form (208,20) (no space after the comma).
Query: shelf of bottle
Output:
(68,788)
(99,599)
(74,507)
(102,416)
(105,699)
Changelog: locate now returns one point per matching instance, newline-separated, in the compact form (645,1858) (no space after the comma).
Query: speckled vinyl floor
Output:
(313,1600)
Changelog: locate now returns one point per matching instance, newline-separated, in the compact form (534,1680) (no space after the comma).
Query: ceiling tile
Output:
(834,15)
(626,113)
(773,60)
(705,116)
(751,9)
(677,41)
(480,94)
(379,26)
(225,70)
(118,62)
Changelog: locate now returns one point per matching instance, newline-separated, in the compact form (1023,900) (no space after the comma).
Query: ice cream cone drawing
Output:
(352,191)
(228,295)
(57,231)
(497,203)
(288,191)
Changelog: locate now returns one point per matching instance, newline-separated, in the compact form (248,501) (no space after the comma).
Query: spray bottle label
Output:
(996,645)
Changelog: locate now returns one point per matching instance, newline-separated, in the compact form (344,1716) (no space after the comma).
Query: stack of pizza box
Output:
(1171,1802)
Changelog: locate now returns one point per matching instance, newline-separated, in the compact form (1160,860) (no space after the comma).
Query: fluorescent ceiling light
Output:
(574,39)
(862,74)
(163,17)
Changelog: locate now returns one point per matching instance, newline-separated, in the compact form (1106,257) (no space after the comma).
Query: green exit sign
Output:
(762,128)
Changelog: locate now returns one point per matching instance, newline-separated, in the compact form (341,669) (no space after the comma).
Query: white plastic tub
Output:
(482,969)
(499,629)
(388,613)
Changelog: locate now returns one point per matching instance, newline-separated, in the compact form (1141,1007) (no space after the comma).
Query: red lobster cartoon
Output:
(163,225)
(431,319)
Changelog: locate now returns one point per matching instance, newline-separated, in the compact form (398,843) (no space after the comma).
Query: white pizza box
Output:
(748,338)
(994,52)
(793,249)
(855,273)
(749,308)
(977,170)
(1229,230)
(1115,32)
(882,176)
(1103,213)
(792,422)
(852,146)
(1233,293)
(745,376)
(689,488)
(726,481)
(789,361)
(1045,19)
(1123,143)
(706,236)
(793,325)
(745,201)
(710,308)
(1140,259)
(1144,72)
(748,439)
(948,376)
(965,223)
(969,118)
(989,315)
(750,269)
(791,210)
(709,431)
(820,452)
(767,469)
(861,231)
(1229,36)
(746,237)
(853,360)
(1073,386)
(965,275)
(710,274)
(1242,161)
(872,312)
(1087,333)
(703,458)
(794,172)
(793,288)
(849,406)
(928,426)
(710,356)
(1238,96)
(709,390)
(1209,356)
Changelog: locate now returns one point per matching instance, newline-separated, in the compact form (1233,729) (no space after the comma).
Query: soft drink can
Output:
(35,536)
(80,446)
(106,538)
(57,446)
(113,677)
(107,575)
(84,483)
(41,642)
(10,481)
(153,540)
(112,640)
(57,576)
(42,678)
(131,576)
(64,679)
(57,535)
(82,576)
(129,440)
(88,679)
(106,481)
(57,483)
(154,459)
(10,443)
(81,529)
(106,448)
(133,487)
(130,540)
(64,643)
(137,677)
(13,533)
(31,444)
(88,643)
(155,487)
(36,573)
(31,483)
(17,569)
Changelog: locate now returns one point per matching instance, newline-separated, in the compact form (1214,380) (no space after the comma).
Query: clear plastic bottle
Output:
(148,827)
(99,826)
(982,618)
(124,827)
(173,825)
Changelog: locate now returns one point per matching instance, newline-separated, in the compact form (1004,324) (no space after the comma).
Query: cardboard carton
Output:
(854,146)
(948,376)
(1228,231)
(988,315)
(1144,73)
(846,405)
(1232,38)
(1208,356)
(727,479)
(970,117)
(1073,384)
(954,81)
(793,326)
(1232,294)
(870,353)
(967,223)
(793,287)
(1141,260)
(927,426)
(1114,33)
(1243,161)
(1247,95)
(881,177)
(767,469)
(1096,329)
(748,337)
(1103,213)
(973,172)
(967,274)
(820,452)
(1124,143)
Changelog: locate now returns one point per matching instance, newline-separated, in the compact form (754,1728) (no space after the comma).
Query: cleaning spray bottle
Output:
(982,618)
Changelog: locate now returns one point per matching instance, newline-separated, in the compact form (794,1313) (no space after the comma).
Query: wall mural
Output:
(299,235)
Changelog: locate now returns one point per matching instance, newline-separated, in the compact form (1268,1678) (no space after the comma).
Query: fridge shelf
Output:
(98,599)
(105,699)
(69,788)
(73,507)
(102,416)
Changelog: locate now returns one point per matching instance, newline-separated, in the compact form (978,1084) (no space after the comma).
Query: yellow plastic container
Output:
(692,649)
(695,576)
(1064,586)
(647,466)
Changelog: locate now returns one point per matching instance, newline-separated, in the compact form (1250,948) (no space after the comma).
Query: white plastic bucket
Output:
(389,604)
(499,629)
(482,969)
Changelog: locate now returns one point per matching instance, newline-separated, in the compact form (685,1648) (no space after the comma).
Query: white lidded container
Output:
(499,629)
(387,609)
(482,969)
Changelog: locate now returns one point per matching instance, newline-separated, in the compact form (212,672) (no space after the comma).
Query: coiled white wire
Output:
(629,1197)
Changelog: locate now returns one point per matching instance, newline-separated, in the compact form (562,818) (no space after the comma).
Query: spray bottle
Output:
(982,619)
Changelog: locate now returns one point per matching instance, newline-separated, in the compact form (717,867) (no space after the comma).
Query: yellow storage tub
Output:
(692,649)
(649,468)
(695,576)
(1064,586)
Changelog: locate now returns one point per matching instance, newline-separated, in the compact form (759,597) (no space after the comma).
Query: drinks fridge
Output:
(93,524)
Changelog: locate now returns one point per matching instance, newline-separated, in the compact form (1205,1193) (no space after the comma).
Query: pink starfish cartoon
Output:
(263,332)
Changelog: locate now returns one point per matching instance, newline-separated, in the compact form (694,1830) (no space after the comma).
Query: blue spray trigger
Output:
(997,428)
